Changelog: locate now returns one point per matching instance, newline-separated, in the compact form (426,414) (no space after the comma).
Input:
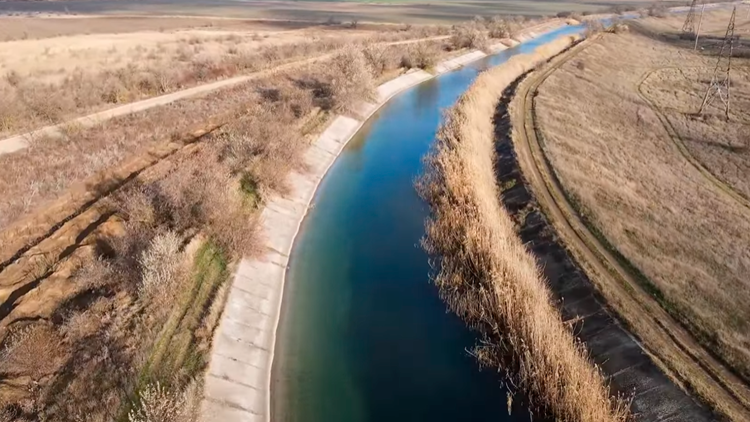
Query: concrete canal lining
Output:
(237,384)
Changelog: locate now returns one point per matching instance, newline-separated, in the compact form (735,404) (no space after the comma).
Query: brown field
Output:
(116,240)
(52,165)
(47,26)
(685,235)
(49,80)
(714,23)
(386,11)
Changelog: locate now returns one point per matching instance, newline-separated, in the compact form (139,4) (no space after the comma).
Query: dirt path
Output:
(671,346)
(19,142)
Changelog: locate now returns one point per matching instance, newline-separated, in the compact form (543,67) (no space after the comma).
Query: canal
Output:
(363,334)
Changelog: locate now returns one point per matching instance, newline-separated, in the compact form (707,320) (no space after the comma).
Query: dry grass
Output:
(723,146)
(76,76)
(49,81)
(29,103)
(133,333)
(23,28)
(487,275)
(49,167)
(630,183)
(713,23)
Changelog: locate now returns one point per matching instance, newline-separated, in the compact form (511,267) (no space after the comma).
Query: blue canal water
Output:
(364,335)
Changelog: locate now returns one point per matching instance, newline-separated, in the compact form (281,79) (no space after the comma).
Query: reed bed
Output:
(488,277)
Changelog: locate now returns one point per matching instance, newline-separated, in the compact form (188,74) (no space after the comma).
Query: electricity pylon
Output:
(700,22)
(688,28)
(720,81)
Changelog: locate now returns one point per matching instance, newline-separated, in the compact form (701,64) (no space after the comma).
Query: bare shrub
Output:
(6,415)
(379,58)
(468,36)
(158,404)
(619,27)
(499,28)
(12,109)
(79,326)
(13,78)
(160,265)
(617,9)
(20,355)
(352,79)
(420,56)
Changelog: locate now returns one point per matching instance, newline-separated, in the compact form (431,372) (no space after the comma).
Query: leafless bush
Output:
(160,264)
(20,354)
(499,28)
(79,326)
(617,9)
(619,27)
(420,56)
(13,78)
(352,79)
(380,58)
(158,404)
(468,36)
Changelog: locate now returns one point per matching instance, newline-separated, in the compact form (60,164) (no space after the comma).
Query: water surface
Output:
(363,334)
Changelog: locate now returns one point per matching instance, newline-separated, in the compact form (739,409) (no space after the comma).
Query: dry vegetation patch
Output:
(721,145)
(488,276)
(27,27)
(120,303)
(685,236)
(48,81)
(49,167)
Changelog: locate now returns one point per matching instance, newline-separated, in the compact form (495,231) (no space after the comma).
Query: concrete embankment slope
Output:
(237,384)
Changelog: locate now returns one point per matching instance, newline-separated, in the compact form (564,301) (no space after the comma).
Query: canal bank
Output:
(238,381)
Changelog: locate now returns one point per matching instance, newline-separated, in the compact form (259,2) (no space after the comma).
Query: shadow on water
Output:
(364,335)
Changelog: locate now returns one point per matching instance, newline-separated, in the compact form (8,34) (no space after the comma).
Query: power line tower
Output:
(720,82)
(688,28)
(700,22)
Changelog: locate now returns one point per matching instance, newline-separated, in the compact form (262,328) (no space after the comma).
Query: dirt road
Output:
(671,346)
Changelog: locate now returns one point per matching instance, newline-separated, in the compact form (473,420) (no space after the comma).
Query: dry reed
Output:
(486,274)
